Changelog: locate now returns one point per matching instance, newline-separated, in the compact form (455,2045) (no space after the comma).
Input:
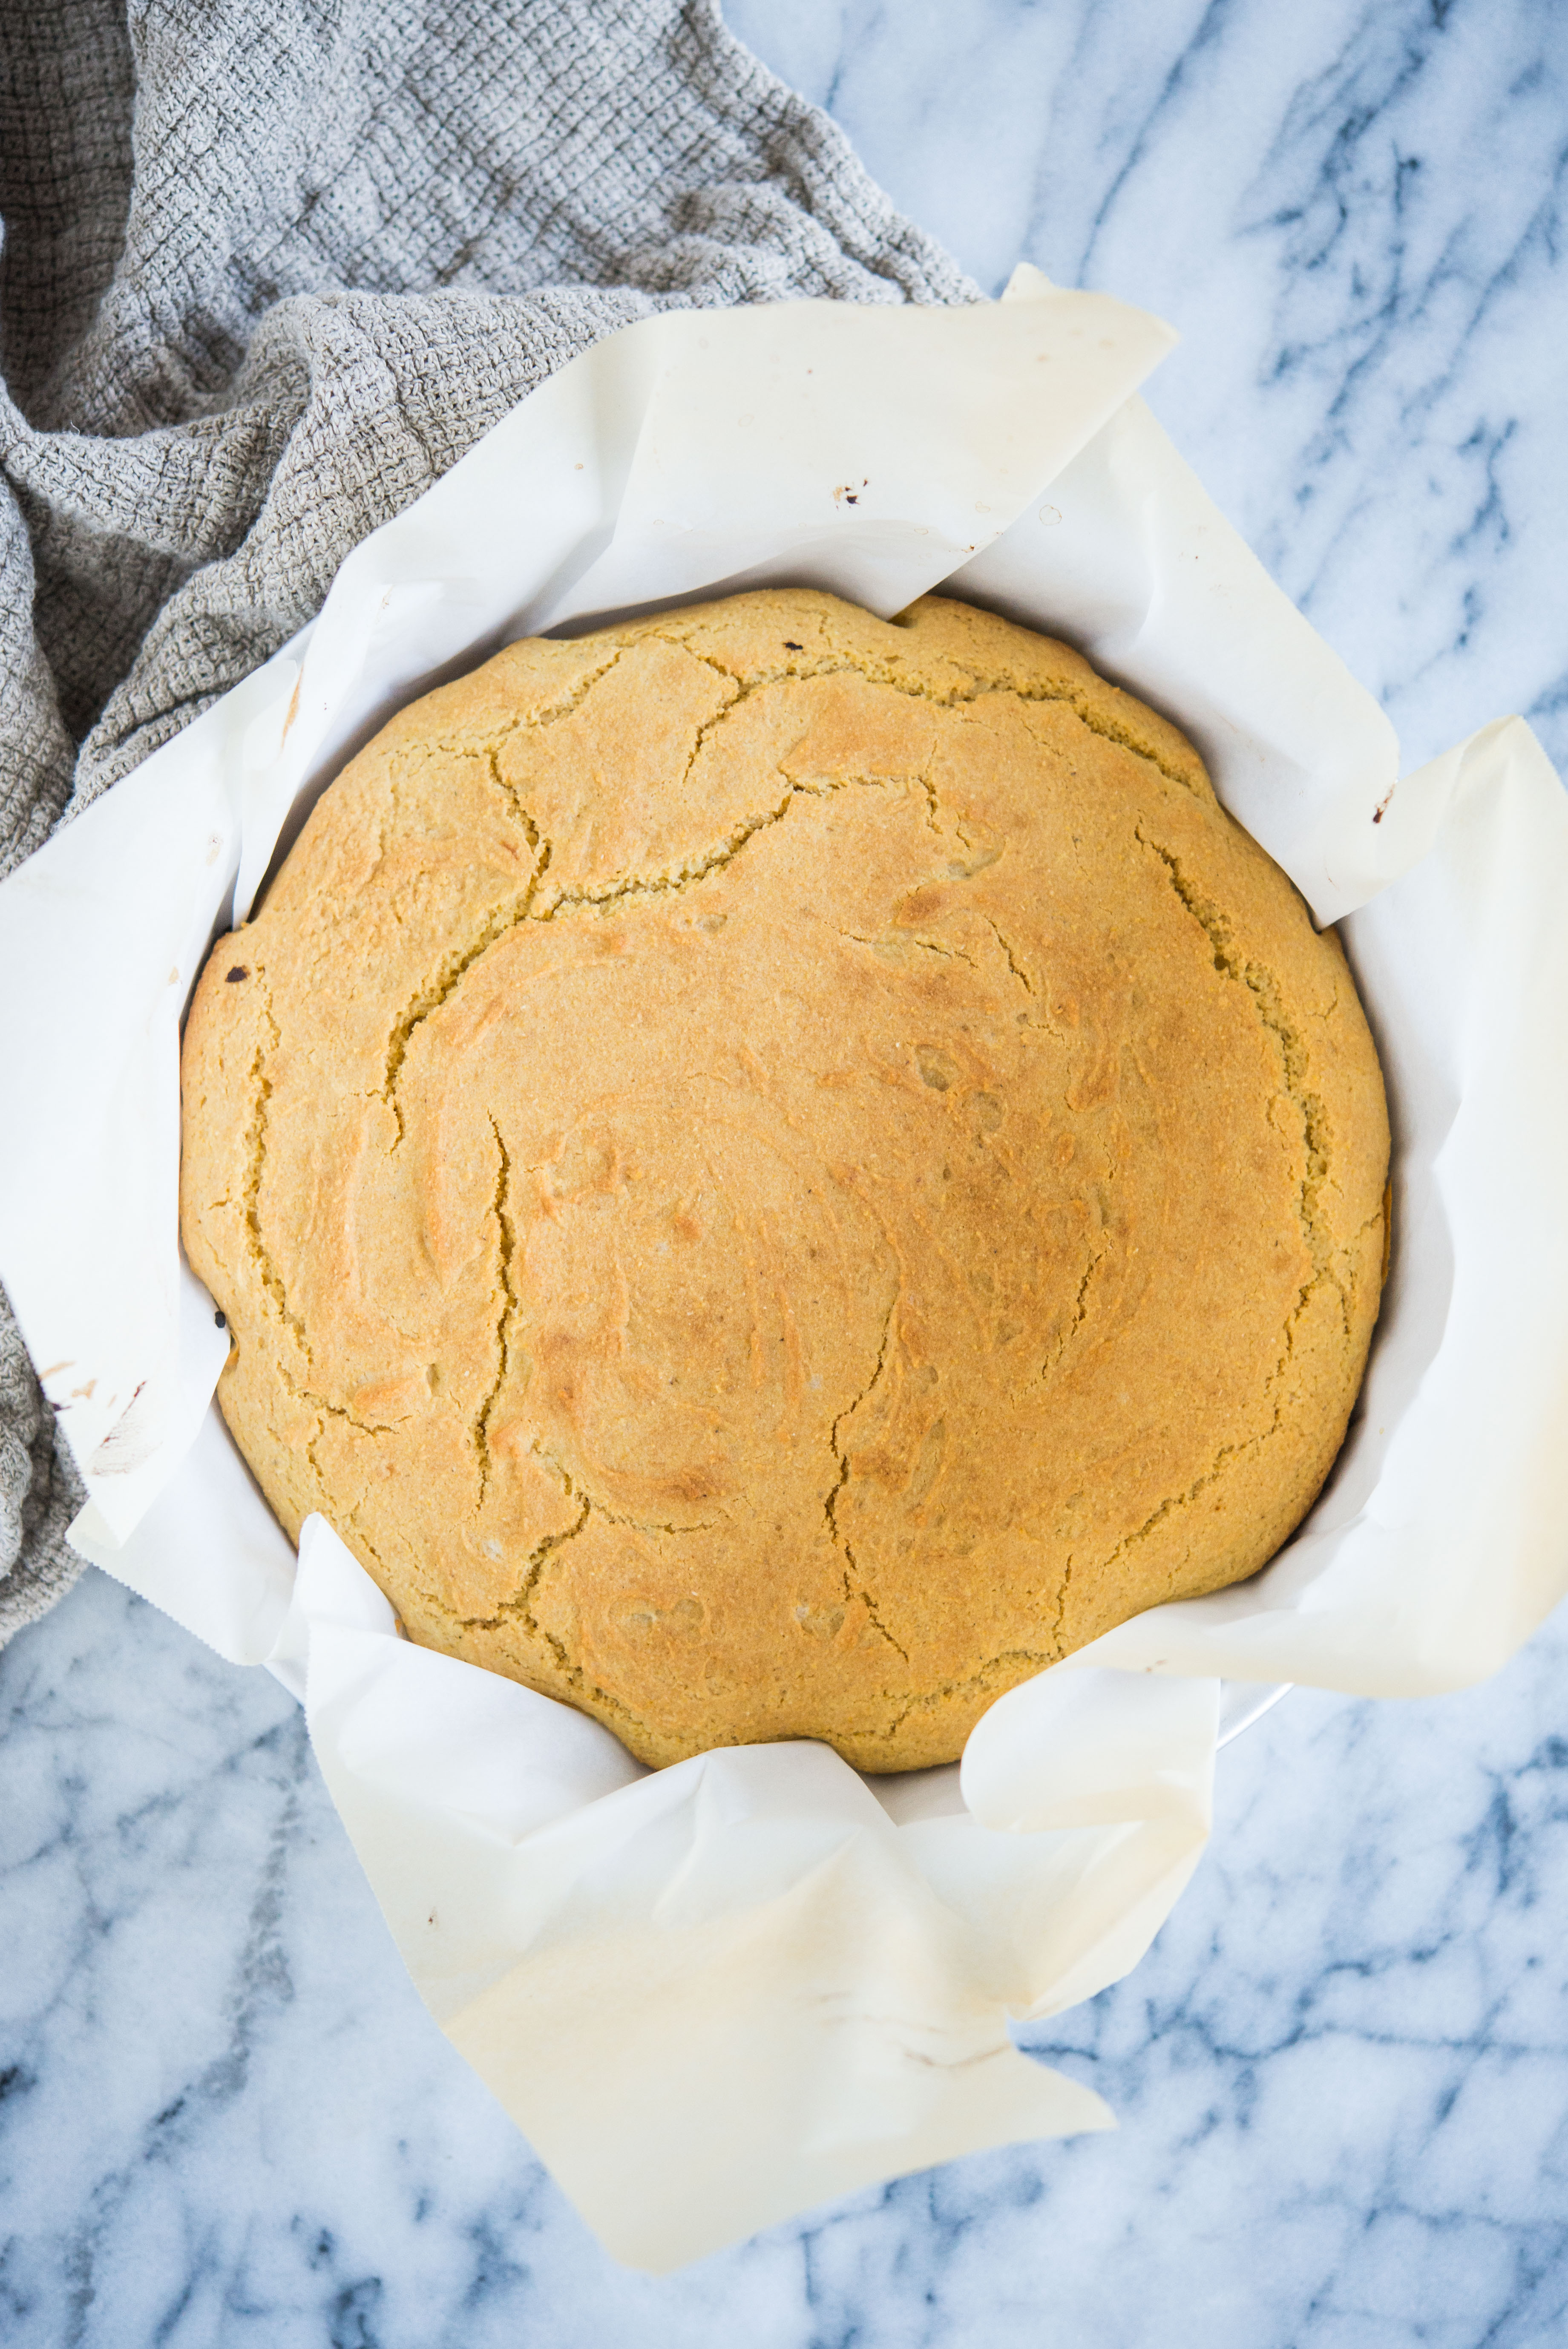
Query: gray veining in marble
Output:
(1353,214)
(1342,2074)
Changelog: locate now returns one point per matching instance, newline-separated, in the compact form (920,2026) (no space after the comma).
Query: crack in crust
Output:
(980,1682)
(1264,988)
(1077,697)
(449,974)
(1097,1256)
(854,1586)
(1229,1451)
(267,1273)
(269,1278)
(533,720)
(455,966)
(520,1606)
(506,1243)
(1014,965)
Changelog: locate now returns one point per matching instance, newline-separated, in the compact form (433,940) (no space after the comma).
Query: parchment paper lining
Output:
(719,1992)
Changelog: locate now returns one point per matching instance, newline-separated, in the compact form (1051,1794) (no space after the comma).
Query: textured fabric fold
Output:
(270,267)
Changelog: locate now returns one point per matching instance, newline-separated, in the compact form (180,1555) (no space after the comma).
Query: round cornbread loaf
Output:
(773,1172)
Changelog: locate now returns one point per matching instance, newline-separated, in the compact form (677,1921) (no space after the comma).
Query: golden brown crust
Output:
(773,1172)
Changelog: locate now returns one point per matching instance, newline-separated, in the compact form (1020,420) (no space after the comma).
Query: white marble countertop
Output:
(1342,2073)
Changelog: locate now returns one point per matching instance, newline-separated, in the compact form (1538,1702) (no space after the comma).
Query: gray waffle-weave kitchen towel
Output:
(269,268)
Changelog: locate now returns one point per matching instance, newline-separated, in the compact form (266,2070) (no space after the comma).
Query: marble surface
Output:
(1342,2073)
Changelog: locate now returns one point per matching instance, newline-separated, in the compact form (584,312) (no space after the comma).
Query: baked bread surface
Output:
(773,1172)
